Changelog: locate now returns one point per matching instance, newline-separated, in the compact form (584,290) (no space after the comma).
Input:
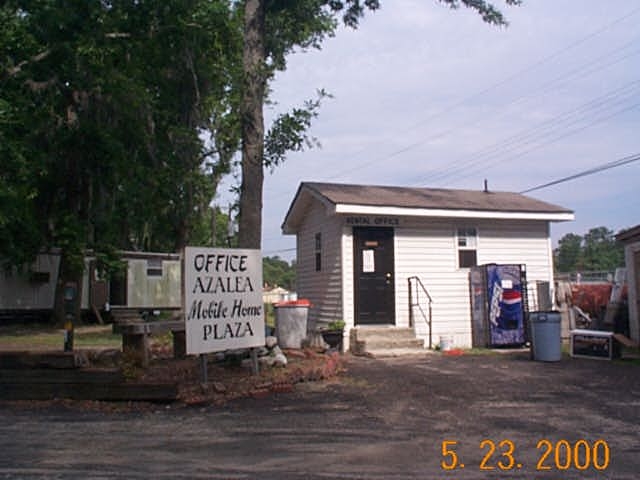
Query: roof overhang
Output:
(441,213)
(498,209)
(301,203)
(630,235)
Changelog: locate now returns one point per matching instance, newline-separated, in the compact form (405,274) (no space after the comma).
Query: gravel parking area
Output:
(501,416)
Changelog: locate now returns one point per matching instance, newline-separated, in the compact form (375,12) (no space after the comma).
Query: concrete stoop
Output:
(385,341)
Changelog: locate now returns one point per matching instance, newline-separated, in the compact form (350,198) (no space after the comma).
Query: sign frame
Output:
(222,300)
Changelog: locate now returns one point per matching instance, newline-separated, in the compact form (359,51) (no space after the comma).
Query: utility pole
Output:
(214,216)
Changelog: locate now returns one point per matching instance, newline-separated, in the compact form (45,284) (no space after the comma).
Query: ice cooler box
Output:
(593,344)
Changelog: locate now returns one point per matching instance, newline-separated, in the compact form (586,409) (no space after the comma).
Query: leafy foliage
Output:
(103,112)
(288,133)
(568,252)
(489,13)
(597,250)
(277,272)
(102,109)
(601,251)
(118,118)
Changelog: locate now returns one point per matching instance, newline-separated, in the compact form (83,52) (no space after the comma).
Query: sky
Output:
(426,96)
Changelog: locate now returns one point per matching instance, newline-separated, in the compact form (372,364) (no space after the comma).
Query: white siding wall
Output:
(348,294)
(17,292)
(428,250)
(528,243)
(145,291)
(632,260)
(323,288)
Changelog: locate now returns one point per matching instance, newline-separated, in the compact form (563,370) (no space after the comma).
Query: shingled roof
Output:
(629,235)
(365,199)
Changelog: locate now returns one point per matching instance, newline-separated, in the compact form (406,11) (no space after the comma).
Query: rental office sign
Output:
(222,299)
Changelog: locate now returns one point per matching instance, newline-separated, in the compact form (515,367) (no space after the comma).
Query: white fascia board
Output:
(296,212)
(435,212)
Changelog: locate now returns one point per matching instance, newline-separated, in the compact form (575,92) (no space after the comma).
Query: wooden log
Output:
(179,344)
(627,342)
(135,346)
(43,359)
(41,375)
(135,338)
(96,312)
(140,392)
(149,328)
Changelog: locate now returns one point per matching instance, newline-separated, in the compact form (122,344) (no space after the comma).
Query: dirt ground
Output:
(381,419)
(230,380)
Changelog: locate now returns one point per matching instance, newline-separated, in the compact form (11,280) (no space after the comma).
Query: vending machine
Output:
(498,305)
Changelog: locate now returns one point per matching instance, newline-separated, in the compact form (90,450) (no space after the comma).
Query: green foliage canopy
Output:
(103,106)
(597,250)
(278,272)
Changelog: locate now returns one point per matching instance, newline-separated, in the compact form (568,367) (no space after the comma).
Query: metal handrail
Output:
(427,317)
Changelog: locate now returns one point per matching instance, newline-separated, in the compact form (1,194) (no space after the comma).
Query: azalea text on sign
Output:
(222,299)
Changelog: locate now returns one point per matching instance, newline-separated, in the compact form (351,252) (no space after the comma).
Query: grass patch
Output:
(36,336)
(481,351)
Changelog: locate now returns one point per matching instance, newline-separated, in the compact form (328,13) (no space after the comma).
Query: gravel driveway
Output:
(384,419)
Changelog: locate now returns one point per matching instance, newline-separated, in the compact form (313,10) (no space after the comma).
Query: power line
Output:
(581,70)
(479,94)
(608,59)
(549,131)
(558,137)
(284,250)
(600,168)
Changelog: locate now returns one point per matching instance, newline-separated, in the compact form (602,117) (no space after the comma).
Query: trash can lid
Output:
(301,302)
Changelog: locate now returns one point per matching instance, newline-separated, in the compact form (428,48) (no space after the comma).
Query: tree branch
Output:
(13,71)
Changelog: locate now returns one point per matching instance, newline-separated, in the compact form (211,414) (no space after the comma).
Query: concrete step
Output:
(365,340)
(384,342)
(385,331)
(397,352)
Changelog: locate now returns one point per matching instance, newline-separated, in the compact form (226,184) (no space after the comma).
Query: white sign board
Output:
(222,299)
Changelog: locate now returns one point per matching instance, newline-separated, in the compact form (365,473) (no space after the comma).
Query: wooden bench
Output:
(135,337)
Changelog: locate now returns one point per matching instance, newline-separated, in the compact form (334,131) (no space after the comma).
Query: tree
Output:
(568,252)
(597,250)
(272,30)
(601,251)
(277,272)
(102,109)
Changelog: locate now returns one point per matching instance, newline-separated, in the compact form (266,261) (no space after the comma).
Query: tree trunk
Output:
(67,275)
(250,225)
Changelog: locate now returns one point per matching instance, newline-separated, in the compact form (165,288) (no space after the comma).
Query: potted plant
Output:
(333,334)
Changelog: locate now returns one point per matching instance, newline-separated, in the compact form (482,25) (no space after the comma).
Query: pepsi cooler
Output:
(498,305)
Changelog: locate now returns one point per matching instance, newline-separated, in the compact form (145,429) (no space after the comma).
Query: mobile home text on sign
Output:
(222,299)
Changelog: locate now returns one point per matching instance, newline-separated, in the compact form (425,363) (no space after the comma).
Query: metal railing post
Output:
(415,302)
(410,304)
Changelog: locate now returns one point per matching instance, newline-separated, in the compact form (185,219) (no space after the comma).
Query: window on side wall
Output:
(154,267)
(318,251)
(467,241)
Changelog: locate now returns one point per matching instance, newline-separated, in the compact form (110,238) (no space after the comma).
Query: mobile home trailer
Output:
(151,281)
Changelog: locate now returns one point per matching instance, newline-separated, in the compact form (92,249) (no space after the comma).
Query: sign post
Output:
(222,299)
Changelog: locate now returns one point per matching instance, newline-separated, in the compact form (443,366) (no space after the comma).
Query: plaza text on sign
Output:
(223,299)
